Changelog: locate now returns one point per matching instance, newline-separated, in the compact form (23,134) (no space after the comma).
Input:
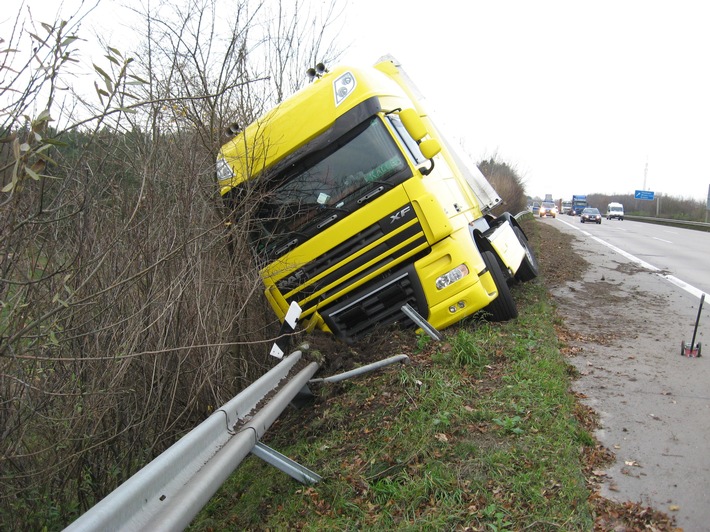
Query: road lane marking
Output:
(666,241)
(670,278)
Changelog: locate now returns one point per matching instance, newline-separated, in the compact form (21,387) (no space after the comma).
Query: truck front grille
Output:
(377,305)
(396,241)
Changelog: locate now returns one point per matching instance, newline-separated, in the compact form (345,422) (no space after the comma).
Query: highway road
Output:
(628,315)
(681,254)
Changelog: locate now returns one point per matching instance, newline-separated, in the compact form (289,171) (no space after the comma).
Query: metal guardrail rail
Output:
(699,226)
(168,492)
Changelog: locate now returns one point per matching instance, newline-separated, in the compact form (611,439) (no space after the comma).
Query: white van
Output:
(615,210)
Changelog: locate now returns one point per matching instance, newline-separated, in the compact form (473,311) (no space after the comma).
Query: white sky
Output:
(578,96)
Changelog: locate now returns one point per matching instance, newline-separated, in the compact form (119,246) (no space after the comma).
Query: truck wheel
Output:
(528,269)
(503,307)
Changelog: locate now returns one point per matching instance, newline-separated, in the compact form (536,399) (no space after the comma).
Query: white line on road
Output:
(670,278)
(666,241)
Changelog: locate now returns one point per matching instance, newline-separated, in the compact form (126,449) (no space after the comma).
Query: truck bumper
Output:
(464,297)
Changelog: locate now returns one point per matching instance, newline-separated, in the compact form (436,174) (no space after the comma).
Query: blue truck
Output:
(579,203)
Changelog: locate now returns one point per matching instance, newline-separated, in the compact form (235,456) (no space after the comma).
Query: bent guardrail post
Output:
(152,489)
(363,369)
(423,324)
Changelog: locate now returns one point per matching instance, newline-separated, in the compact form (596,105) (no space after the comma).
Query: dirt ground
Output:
(622,332)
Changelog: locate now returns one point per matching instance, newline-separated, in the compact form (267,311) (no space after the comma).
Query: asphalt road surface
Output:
(636,304)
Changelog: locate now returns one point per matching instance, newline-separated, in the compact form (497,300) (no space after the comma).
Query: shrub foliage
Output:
(128,309)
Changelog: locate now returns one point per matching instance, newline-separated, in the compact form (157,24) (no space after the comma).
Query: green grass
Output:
(477,431)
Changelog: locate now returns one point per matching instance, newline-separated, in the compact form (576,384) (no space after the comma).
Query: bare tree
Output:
(124,317)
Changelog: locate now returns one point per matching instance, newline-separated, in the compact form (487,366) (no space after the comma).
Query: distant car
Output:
(548,208)
(615,210)
(535,208)
(590,214)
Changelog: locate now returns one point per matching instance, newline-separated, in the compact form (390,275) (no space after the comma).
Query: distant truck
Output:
(565,206)
(579,203)
(359,211)
(615,210)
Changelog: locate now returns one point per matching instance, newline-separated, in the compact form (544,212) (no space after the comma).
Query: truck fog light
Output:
(462,304)
(452,309)
(452,276)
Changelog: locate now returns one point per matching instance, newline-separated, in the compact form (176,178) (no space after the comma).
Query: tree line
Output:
(661,206)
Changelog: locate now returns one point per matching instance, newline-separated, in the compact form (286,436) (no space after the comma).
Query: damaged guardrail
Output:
(168,492)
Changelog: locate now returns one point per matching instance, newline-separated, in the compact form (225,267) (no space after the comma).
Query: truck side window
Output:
(407,140)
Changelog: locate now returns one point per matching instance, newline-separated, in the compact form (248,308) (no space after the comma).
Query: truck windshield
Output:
(324,187)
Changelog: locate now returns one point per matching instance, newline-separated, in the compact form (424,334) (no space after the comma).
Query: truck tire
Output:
(528,269)
(503,307)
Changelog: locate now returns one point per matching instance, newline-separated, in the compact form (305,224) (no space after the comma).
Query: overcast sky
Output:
(580,97)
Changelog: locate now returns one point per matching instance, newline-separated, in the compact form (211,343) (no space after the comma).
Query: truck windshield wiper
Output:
(327,215)
(371,194)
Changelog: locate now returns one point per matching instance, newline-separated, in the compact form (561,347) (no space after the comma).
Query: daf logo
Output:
(297,278)
(399,215)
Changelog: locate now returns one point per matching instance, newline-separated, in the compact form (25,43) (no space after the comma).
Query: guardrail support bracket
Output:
(285,464)
(423,324)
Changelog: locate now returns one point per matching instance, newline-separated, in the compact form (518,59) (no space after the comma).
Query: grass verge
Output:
(478,432)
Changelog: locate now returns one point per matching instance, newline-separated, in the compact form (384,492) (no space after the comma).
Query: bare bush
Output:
(129,307)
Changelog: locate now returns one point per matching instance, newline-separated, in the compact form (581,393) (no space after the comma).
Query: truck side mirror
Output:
(429,148)
(413,124)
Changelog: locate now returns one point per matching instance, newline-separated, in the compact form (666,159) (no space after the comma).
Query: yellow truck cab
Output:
(357,207)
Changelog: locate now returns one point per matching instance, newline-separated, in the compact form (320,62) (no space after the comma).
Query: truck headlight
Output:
(452,276)
(224,171)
